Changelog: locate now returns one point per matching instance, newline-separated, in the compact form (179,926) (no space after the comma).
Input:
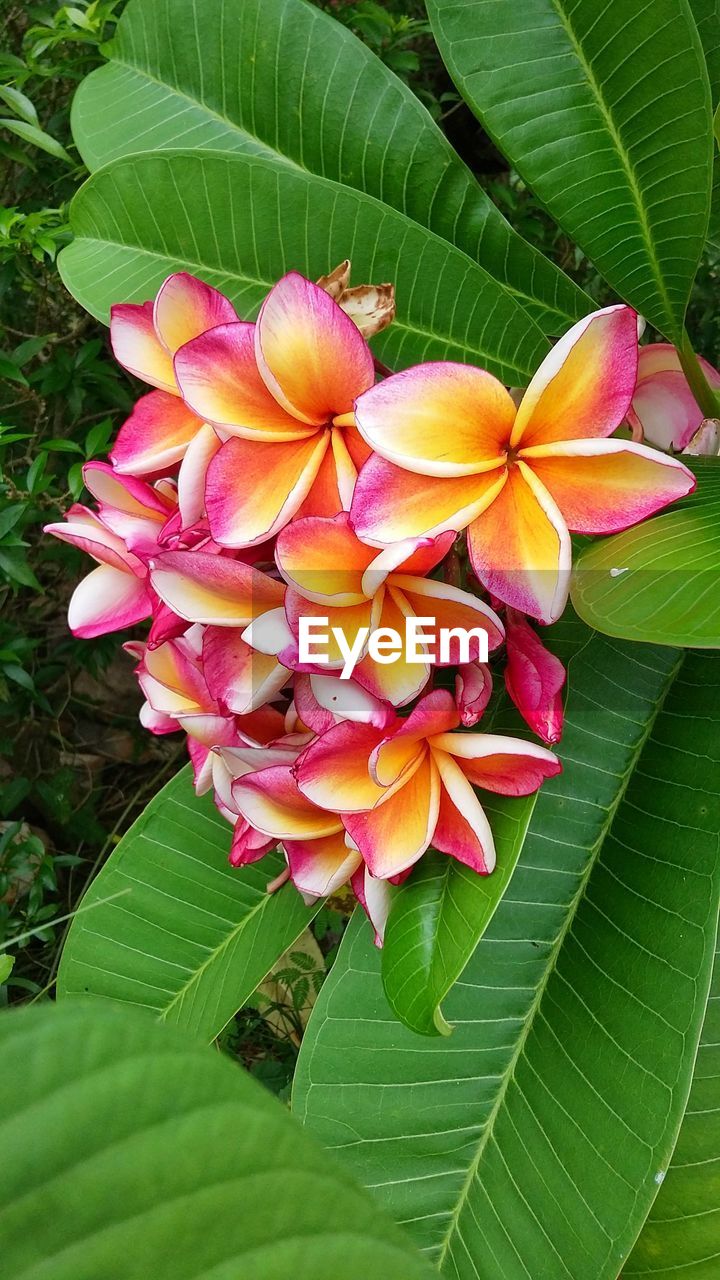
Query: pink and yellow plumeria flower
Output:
(280,393)
(402,788)
(144,339)
(130,518)
(663,407)
(456,453)
(330,573)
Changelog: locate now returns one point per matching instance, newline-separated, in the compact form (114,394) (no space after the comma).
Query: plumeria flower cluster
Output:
(275,474)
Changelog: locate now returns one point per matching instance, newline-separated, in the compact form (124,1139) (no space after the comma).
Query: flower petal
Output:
(155,436)
(391,504)
(395,682)
(520,547)
(508,766)
(462,828)
(311,356)
(394,835)
(108,599)
(473,687)
(186,307)
(375,897)
(219,380)
(348,620)
(241,679)
(333,771)
(254,487)
(534,678)
(439,419)
(193,474)
(272,803)
(585,385)
(397,753)
(137,347)
(213,589)
(663,403)
(324,559)
(601,486)
(451,609)
(320,867)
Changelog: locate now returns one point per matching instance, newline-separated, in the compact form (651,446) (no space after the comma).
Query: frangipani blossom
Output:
(280,393)
(330,573)
(663,407)
(144,339)
(402,788)
(455,453)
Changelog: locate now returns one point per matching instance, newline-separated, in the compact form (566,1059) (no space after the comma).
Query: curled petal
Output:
(108,599)
(439,419)
(137,347)
(310,354)
(452,609)
(375,897)
(462,828)
(271,801)
(397,754)
(213,589)
(585,385)
(193,474)
(324,559)
(333,772)
(320,867)
(248,845)
(83,530)
(186,307)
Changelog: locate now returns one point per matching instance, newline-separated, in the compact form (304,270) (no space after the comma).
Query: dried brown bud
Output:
(370,306)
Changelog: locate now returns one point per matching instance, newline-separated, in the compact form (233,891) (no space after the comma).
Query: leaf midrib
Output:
(509,1073)
(614,131)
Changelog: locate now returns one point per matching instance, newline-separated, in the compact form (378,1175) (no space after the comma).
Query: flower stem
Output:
(699,385)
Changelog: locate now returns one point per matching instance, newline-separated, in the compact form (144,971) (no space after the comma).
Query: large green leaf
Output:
(437,921)
(531,1142)
(280,78)
(681,1238)
(659,581)
(605,112)
(240,222)
(130,1153)
(707,18)
(168,925)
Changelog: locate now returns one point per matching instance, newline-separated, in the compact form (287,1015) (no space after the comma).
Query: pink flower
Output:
(663,406)
(534,678)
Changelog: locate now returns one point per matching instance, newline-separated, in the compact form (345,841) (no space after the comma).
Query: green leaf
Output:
(437,920)
(19,103)
(240,223)
(707,20)
(611,128)
(6,967)
(38,138)
(129,1152)
(280,78)
(168,925)
(659,580)
(680,1238)
(529,1143)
